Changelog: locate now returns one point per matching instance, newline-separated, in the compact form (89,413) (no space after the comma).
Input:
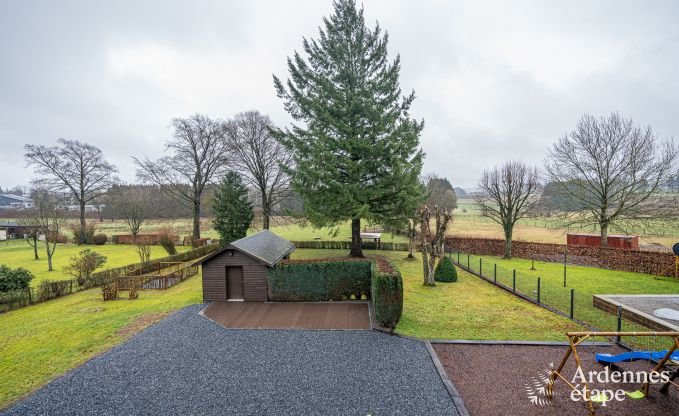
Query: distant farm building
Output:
(625,242)
(9,201)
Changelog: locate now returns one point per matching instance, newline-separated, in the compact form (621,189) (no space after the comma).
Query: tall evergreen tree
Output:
(232,210)
(355,146)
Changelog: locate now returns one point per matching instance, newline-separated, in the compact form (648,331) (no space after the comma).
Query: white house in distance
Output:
(9,201)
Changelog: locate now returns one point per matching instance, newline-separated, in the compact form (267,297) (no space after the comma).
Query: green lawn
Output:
(582,279)
(43,341)
(20,254)
(467,309)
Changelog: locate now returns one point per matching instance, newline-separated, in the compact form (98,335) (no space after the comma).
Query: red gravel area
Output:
(494,380)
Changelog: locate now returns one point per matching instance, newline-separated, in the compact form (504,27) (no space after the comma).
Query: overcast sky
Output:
(494,80)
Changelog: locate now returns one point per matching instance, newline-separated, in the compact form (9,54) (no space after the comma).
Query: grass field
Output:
(468,222)
(585,279)
(20,254)
(43,341)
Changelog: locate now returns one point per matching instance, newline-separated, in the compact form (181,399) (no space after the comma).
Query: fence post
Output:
(565,254)
(495,272)
(30,297)
(468,262)
(514,280)
(617,338)
(458,257)
(481,266)
(572,302)
(538,290)
(71,290)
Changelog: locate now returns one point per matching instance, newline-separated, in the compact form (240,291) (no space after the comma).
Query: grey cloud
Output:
(495,80)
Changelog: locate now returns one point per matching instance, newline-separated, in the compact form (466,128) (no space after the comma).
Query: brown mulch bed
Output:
(495,379)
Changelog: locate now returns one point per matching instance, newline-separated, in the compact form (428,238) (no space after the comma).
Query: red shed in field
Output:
(625,242)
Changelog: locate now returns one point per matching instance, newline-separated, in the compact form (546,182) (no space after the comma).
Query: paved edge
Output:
(450,387)
(517,342)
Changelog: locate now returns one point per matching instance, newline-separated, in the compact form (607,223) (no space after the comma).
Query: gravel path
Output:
(188,365)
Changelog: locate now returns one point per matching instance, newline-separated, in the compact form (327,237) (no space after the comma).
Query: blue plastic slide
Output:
(635,355)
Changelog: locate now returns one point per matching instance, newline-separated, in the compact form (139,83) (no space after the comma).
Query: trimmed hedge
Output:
(323,280)
(338,279)
(386,289)
(346,245)
(445,271)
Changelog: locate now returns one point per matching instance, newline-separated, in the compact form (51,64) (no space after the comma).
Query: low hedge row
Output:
(386,289)
(320,280)
(337,279)
(346,245)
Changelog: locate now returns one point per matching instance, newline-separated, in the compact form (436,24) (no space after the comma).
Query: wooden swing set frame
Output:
(577,338)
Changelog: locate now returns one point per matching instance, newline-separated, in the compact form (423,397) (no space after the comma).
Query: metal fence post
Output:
(458,257)
(565,253)
(572,302)
(468,262)
(538,290)
(617,338)
(481,266)
(495,272)
(30,297)
(514,280)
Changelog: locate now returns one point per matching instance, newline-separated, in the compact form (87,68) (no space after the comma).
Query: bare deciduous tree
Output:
(51,217)
(432,246)
(74,167)
(198,153)
(507,194)
(131,204)
(29,219)
(614,171)
(261,158)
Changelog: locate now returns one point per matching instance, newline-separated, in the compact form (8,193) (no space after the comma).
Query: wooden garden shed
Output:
(237,272)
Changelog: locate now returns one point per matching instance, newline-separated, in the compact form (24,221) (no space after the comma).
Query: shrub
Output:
(48,289)
(166,238)
(100,239)
(319,280)
(386,291)
(59,238)
(445,271)
(83,265)
(109,290)
(85,235)
(14,299)
(14,279)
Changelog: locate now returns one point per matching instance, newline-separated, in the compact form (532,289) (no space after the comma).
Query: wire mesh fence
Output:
(569,302)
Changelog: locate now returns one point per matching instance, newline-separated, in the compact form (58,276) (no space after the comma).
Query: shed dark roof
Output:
(265,246)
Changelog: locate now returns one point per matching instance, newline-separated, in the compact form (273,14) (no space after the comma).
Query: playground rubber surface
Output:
(500,379)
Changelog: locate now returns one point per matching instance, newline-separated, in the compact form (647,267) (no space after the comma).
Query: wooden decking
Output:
(274,315)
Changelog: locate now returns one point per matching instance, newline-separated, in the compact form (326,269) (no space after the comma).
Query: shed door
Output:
(234,282)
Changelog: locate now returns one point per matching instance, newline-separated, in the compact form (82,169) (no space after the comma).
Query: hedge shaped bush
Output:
(14,279)
(315,281)
(386,290)
(445,271)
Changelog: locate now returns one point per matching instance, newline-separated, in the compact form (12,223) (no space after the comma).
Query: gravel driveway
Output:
(189,365)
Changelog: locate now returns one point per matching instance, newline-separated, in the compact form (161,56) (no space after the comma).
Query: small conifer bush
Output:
(445,271)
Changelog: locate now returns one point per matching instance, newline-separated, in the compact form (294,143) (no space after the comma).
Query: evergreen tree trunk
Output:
(196,220)
(356,250)
(508,242)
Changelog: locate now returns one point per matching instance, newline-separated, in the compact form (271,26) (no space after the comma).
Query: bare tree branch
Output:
(616,173)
